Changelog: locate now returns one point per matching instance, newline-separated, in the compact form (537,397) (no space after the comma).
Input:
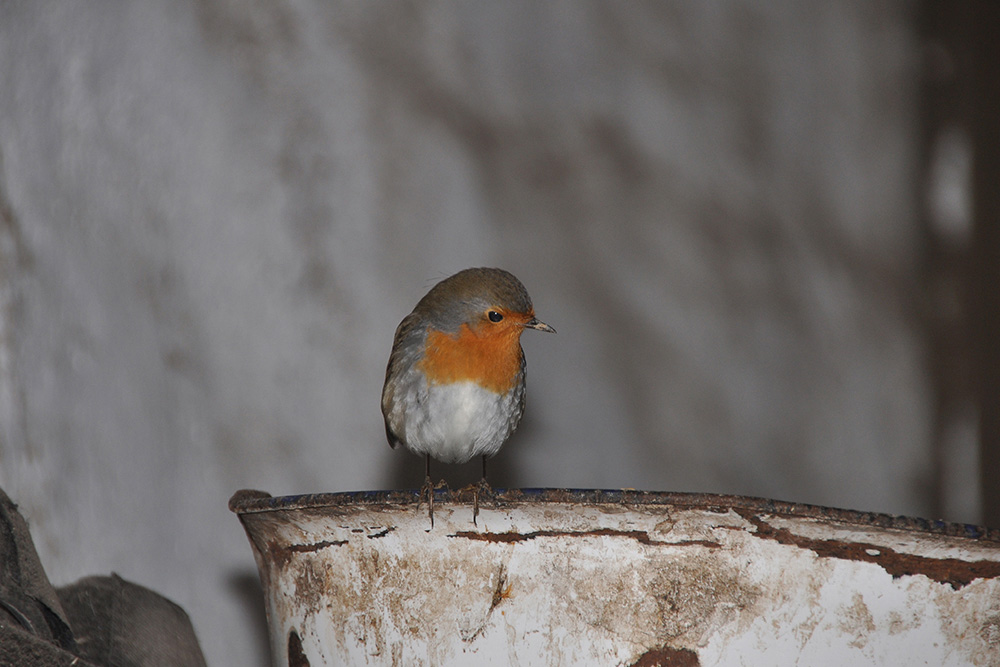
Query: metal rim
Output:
(254,502)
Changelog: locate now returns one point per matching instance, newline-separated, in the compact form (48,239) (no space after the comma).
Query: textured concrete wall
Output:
(215,213)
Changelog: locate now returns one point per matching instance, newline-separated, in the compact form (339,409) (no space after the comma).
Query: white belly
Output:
(467,421)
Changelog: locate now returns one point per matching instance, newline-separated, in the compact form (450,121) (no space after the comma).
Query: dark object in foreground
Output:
(95,622)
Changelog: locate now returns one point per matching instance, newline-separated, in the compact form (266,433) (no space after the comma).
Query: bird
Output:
(454,384)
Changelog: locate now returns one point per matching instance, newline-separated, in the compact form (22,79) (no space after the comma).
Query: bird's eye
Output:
(494,316)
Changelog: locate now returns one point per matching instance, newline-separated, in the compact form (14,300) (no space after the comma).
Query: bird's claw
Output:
(428,490)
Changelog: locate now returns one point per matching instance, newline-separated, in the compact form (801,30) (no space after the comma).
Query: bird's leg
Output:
(428,488)
(482,487)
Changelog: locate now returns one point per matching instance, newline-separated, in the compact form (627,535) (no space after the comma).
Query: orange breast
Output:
(491,360)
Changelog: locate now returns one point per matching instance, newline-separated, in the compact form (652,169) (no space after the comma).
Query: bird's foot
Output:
(427,490)
(481,489)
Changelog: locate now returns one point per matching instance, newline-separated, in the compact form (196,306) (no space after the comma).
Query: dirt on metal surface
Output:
(583,577)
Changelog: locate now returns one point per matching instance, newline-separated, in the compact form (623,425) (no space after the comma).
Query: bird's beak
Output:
(533,323)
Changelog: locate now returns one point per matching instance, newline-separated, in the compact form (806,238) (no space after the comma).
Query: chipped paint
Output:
(617,578)
(640,536)
(667,657)
(316,546)
(296,658)
(953,571)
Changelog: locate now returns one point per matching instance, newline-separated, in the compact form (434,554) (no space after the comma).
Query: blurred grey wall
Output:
(213,214)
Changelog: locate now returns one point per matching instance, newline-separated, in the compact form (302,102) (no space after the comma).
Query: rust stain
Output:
(277,554)
(953,571)
(296,658)
(667,657)
(315,546)
(640,536)
(502,590)
(280,554)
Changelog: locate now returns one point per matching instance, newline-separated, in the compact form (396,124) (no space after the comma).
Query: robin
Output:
(454,387)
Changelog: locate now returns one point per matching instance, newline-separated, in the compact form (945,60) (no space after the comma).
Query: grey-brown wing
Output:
(407,345)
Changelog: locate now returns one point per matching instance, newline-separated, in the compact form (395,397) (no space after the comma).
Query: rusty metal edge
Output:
(248,501)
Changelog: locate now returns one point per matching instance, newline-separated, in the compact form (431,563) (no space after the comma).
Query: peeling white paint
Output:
(558,578)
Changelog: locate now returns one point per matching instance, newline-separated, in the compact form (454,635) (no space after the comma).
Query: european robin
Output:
(454,387)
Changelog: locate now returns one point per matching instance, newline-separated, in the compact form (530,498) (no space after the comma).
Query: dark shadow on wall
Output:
(245,586)
(960,95)
(984,128)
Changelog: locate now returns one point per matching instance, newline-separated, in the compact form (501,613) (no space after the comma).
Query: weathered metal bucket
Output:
(550,577)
